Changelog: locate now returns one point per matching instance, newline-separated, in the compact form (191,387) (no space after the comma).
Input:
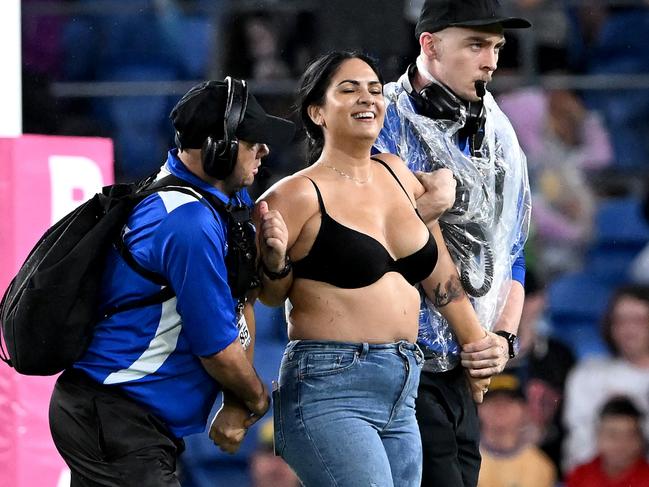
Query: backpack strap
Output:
(167,183)
(163,295)
(4,355)
(174,183)
(241,260)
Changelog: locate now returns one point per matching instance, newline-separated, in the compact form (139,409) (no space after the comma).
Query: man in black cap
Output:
(441,120)
(152,372)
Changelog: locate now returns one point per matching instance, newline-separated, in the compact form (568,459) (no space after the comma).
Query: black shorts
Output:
(107,439)
(450,430)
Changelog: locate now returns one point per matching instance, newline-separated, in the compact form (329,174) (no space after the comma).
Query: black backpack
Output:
(49,310)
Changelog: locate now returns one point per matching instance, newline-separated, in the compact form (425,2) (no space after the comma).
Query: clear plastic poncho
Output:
(488,225)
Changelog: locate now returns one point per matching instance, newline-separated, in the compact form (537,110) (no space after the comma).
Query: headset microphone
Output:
(480,88)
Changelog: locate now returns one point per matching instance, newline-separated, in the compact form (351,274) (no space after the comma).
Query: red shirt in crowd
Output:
(592,474)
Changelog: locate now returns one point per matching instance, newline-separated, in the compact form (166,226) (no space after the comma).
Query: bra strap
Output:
(320,201)
(384,164)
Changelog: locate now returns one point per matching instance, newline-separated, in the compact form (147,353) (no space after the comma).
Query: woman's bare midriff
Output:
(384,312)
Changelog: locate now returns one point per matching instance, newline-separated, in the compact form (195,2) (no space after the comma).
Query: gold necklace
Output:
(345,175)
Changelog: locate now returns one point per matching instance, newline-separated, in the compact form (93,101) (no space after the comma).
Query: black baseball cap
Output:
(200,112)
(439,14)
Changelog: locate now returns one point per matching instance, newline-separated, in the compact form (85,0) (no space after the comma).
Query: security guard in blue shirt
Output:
(151,374)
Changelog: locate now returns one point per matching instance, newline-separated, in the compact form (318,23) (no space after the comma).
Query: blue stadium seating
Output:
(620,225)
(577,297)
(270,323)
(576,303)
(620,234)
(610,266)
(582,337)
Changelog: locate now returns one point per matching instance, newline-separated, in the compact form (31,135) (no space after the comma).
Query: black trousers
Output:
(108,440)
(450,430)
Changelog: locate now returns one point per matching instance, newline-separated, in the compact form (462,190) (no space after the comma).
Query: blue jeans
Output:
(345,413)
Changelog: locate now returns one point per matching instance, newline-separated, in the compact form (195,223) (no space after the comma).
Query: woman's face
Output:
(630,327)
(354,105)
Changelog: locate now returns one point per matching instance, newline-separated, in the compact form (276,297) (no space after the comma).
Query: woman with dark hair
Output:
(625,328)
(348,247)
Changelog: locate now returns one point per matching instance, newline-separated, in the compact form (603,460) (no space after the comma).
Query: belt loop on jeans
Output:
(289,348)
(365,349)
(419,352)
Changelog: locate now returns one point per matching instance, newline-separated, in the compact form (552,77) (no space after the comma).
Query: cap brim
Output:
(273,131)
(259,127)
(506,22)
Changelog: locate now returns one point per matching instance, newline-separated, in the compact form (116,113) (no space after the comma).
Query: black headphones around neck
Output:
(439,103)
(219,156)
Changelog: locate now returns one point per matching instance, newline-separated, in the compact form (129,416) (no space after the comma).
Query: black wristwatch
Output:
(512,341)
(274,276)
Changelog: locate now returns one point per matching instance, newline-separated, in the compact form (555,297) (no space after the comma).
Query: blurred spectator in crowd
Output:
(626,332)
(271,44)
(264,49)
(267,469)
(508,457)
(542,364)
(563,142)
(621,449)
(604,40)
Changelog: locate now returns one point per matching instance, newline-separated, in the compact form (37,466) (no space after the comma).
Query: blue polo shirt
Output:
(152,353)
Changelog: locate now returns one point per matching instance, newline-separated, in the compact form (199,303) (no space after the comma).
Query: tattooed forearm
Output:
(452,291)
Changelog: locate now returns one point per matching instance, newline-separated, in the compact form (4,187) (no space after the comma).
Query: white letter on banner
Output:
(73,180)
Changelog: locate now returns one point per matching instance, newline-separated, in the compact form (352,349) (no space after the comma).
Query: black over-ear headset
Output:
(219,156)
(436,102)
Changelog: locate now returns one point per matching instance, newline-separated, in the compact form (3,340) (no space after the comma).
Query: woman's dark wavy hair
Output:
(636,291)
(313,88)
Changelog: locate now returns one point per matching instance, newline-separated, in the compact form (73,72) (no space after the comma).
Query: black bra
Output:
(349,259)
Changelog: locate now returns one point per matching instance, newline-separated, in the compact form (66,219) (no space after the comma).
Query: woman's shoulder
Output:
(296,189)
(393,161)
(400,170)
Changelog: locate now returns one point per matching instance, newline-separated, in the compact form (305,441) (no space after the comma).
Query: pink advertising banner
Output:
(42,178)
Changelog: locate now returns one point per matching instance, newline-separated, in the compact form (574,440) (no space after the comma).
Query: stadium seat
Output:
(577,297)
(620,225)
(582,337)
(576,303)
(610,266)
(270,323)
